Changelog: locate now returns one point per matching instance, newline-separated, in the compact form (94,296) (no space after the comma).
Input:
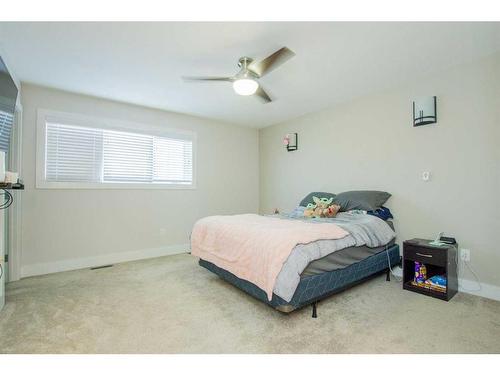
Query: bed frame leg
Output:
(314,314)
(388,275)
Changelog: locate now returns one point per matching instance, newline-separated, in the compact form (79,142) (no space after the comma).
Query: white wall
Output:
(370,144)
(66,229)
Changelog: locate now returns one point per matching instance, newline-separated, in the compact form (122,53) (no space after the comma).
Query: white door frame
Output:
(13,214)
(14,211)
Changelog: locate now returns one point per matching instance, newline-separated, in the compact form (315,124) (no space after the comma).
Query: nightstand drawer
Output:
(436,256)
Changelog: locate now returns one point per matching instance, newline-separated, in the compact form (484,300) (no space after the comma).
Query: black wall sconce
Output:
(424,111)
(291,142)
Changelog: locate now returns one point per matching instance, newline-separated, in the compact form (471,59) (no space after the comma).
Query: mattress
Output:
(364,230)
(345,257)
(342,258)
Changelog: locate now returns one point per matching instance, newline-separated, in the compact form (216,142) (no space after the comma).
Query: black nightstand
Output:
(438,261)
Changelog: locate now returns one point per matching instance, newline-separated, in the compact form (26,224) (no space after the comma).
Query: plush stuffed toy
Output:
(331,211)
(322,207)
(309,211)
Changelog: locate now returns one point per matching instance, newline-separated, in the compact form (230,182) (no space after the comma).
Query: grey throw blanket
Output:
(363,230)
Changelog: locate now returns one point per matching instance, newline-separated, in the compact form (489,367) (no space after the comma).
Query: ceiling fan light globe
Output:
(245,86)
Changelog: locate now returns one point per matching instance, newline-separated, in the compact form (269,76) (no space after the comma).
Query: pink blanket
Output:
(254,247)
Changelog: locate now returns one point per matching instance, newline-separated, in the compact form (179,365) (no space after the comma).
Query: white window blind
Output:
(92,155)
(6,121)
(128,157)
(172,160)
(73,154)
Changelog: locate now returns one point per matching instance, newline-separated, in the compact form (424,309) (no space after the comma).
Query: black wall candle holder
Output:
(425,111)
(293,142)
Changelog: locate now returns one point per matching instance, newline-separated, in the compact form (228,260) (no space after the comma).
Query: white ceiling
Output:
(142,63)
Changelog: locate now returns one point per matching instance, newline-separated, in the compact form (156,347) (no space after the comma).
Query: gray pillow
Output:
(309,197)
(361,200)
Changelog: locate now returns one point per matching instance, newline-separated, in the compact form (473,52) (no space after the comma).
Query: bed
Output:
(315,270)
(314,288)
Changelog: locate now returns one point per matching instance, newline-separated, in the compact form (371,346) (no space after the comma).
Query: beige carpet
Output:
(171,305)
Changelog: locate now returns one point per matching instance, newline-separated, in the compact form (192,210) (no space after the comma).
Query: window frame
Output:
(45,115)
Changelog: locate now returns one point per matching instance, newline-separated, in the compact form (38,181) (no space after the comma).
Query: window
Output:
(6,121)
(74,154)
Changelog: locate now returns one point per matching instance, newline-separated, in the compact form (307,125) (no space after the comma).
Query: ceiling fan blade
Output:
(223,79)
(262,95)
(271,62)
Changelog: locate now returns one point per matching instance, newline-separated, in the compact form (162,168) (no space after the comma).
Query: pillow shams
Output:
(368,200)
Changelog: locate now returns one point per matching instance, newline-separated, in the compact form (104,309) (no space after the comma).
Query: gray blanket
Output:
(363,230)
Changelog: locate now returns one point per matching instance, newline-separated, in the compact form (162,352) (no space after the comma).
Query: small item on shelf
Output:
(11,177)
(437,282)
(420,273)
(438,288)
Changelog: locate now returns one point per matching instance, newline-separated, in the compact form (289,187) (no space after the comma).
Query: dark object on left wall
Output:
(10,186)
(8,198)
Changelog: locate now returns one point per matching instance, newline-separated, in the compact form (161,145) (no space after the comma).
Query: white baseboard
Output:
(482,290)
(100,260)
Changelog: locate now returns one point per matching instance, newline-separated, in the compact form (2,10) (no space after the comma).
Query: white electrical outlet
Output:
(426,176)
(465,255)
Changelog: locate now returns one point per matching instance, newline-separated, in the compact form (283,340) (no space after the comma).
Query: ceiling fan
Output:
(246,81)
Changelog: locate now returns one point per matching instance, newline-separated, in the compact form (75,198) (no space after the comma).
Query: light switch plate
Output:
(465,255)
